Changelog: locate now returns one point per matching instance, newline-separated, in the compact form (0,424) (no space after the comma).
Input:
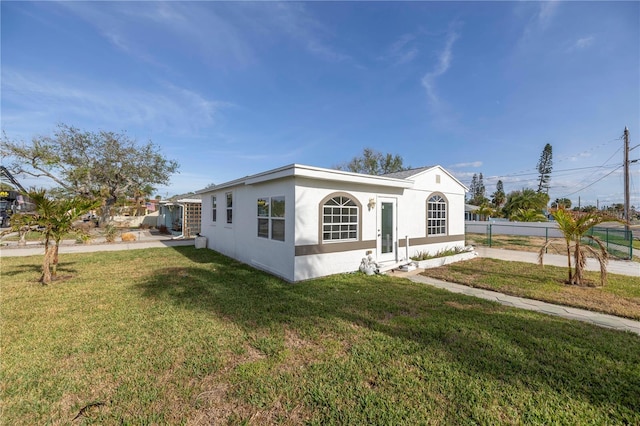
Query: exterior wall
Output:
(336,257)
(239,239)
(412,212)
(331,258)
(303,254)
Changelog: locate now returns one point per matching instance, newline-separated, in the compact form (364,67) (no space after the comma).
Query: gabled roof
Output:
(299,170)
(405,174)
(410,173)
(394,180)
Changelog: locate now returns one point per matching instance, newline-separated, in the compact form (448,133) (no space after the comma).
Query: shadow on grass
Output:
(36,269)
(478,337)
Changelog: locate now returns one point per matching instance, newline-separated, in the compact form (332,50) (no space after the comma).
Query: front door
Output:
(387,229)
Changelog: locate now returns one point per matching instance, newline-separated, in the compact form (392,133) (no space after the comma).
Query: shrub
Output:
(110,233)
(425,255)
(128,236)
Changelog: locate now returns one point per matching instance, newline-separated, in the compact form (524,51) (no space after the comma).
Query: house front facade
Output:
(301,222)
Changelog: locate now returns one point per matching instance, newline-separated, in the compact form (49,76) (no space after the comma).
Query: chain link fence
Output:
(532,236)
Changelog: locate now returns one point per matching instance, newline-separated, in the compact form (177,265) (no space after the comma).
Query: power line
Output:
(594,182)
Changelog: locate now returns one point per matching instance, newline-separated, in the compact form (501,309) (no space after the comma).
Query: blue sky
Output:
(229,89)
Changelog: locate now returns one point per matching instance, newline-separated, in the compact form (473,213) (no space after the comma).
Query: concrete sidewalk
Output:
(602,320)
(145,240)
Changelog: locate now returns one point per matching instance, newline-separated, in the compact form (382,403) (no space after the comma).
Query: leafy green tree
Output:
(56,217)
(477,190)
(560,203)
(498,197)
(574,226)
(525,199)
(545,165)
(100,165)
(373,162)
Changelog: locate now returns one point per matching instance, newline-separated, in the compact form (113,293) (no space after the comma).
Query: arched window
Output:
(340,219)
(436,215)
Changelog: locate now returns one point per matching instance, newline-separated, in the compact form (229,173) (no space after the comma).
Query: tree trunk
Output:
(577,277)
(46,266)
(569,261)
(54,259)
(106,211)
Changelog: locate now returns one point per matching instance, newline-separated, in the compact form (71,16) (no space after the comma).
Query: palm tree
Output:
(574,226)
(22,223)
(525,199)
(485,211)
(528,215)
(56,217)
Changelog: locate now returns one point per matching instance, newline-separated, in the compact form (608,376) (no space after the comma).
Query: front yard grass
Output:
(621,295)
(186,336)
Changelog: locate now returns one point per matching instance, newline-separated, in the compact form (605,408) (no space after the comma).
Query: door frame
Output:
(393,254)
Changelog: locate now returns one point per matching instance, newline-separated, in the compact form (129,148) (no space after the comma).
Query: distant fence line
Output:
(619,242)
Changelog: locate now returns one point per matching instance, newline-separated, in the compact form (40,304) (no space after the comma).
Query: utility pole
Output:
(627,218)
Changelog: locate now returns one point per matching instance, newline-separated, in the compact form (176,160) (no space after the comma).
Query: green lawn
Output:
(186,336)
(621,295)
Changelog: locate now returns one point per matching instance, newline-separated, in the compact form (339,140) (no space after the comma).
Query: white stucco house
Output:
(300,222)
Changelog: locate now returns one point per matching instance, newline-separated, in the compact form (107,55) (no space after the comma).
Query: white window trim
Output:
(357,223)
(442,201)
(270,218)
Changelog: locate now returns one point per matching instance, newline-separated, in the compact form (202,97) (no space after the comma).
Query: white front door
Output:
(387,244)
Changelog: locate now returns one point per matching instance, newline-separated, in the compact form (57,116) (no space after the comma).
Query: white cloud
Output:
(441,67)
(300,26)
(170,108)
(546,13)
(470,164)
(539,21)
(401,51)
(128,25)
(581,43)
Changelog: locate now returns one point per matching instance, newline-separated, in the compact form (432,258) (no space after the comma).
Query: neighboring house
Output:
(470,212)
(300,222)
(181,215)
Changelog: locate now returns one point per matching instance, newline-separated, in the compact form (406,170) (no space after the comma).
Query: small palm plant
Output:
(574,226)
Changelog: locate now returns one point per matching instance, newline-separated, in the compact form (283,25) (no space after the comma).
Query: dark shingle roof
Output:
(405,174)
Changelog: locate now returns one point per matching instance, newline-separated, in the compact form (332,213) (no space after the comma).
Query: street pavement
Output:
(146,240)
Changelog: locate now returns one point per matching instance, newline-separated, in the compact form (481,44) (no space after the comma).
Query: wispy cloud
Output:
(470,164)
(546,13)
(127,25)
(171,109)
(581,43)
(401,51)
(539,21)
(441,67)
(220,34)
(294,20)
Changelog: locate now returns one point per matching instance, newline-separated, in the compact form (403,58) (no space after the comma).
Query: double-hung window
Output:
(229,199)
(271,218)
(436,216)
(214,208)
